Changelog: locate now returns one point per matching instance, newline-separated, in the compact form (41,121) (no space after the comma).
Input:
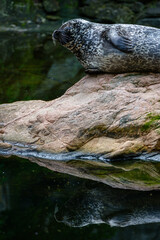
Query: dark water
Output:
(36,203)
(32,67)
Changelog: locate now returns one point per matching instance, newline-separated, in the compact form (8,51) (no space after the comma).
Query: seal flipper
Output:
(92,70)
(122,43)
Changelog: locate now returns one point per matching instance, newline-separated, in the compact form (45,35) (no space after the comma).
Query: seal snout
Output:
(62,36)
(56,34)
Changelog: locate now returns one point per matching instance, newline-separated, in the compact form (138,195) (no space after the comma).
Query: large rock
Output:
(108,116)
(114,114)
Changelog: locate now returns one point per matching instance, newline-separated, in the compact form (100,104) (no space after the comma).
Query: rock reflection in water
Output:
(102,204)
(41,204)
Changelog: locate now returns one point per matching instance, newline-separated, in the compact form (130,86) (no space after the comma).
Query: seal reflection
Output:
(102,204)
(35,200)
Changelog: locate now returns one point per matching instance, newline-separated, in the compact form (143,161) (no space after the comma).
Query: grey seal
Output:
(111,48)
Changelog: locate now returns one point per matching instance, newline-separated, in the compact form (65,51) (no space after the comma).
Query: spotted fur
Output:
(92,43)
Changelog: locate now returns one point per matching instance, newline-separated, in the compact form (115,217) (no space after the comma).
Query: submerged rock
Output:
(135,12)
(102,117)
(51,6)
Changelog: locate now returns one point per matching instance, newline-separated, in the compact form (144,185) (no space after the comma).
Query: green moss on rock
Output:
(153,121)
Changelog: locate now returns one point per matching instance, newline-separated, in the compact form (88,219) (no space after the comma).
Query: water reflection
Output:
(31,67)
(101,204)
(43,204)
(4,197)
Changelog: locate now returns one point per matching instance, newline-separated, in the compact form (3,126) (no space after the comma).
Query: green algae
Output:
(127,174)
(153,121)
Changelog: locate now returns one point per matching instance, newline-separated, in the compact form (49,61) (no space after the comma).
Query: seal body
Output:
(112,48)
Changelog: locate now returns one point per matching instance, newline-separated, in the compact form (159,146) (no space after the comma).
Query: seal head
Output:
(70,33)
(111,48)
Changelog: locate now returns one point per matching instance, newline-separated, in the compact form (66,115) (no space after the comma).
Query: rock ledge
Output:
(107,114)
